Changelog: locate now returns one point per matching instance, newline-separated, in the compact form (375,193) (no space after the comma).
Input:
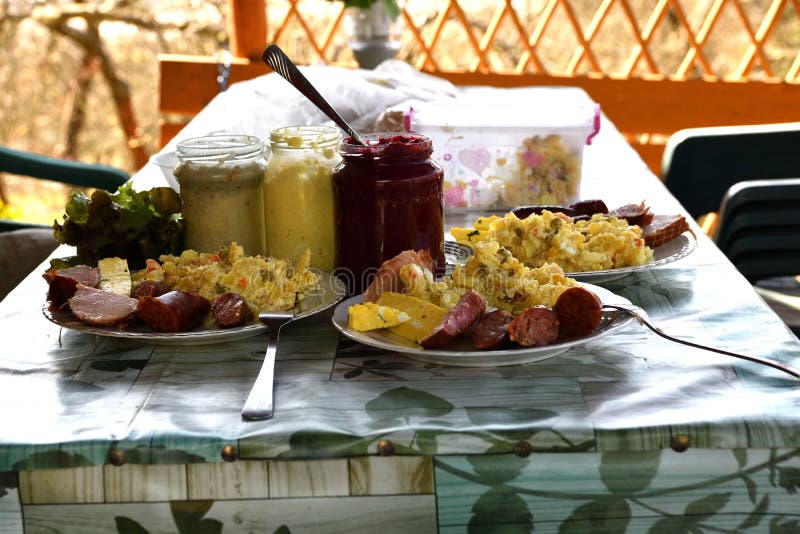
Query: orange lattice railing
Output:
(654,66)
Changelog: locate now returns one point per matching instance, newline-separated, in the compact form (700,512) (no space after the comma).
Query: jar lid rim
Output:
(380,138)
(388,146)
(303,136)
(225,146)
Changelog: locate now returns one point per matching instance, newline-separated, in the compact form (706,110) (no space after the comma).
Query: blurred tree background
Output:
(79,80)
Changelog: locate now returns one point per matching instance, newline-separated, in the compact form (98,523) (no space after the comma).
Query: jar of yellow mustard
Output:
(298,196)
(221,180)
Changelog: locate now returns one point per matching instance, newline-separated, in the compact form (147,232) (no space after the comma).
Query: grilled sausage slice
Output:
(176,311)
(523,212)
(581,210)
(579,312)
(638,214)
(457,321)
(491,330)
(230,309)
(150,288)
(534,327)
(589,207)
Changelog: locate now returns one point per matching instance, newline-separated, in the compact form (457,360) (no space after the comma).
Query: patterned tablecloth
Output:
(628,433)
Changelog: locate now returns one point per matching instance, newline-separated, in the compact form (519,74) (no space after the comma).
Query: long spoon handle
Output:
(280,63)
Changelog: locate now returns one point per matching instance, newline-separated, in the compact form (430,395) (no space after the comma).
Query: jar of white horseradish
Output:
(298,196)
(221,180)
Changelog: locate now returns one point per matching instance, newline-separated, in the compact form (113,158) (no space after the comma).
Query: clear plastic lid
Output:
(482,109)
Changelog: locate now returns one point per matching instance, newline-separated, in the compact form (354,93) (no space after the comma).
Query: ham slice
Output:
(101,308)
(388,276)
(63,283)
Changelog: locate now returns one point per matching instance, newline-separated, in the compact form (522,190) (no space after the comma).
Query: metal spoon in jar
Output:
(280,63)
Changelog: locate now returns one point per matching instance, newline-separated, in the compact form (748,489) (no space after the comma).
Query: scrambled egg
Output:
(600,243)
(266,284)
(496,275)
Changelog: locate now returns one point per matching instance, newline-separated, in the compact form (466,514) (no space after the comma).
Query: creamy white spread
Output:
(222,203)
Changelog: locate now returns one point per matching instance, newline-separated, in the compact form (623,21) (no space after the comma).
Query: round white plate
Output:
(332,290)
(673,250)
(462,354)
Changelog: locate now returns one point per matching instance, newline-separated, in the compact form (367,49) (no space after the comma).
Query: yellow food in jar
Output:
(298,194)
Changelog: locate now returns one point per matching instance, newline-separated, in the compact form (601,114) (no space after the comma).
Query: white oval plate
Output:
(673,250)
(462,354)
(332,290)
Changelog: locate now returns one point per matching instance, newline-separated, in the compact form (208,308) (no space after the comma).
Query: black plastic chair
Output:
(758,228)
(25,245)
(57,170)
(700,164)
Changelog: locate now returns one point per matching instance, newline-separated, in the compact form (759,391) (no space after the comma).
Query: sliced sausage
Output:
(176,311)
(590,207)
(150,288)
(491,330)
(579,312)
(523,212)
(230,309)
(457,321)
(638,214)
(581,210)
(63,283)
(534,327)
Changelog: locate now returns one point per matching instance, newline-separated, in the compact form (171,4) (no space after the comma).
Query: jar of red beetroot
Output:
(387,199)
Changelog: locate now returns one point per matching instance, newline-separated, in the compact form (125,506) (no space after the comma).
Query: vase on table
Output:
(373,32)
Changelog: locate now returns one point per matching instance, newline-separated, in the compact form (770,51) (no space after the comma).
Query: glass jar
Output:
(298,199)
(220,179)
(388,198)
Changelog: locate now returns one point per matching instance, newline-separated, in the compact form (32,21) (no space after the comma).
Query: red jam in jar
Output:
(387,199)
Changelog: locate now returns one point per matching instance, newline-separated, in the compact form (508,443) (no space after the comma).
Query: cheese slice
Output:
(424,316)
(371,316)
(115,276)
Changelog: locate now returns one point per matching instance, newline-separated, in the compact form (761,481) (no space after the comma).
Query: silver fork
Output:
(259,404)
(641,317)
